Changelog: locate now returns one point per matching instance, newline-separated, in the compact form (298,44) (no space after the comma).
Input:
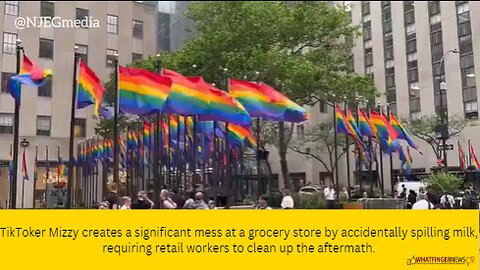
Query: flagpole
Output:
(185,153)
(23,179)
(347,146)
(72,130)
(48,175)
(381,162)
(35,176)
(469,155)
(13,184)
(335,143)
(195,150)
(116,166)
(392,184)
(228,171)
(360,168)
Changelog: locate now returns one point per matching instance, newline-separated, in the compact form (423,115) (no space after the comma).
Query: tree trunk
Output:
(282,150)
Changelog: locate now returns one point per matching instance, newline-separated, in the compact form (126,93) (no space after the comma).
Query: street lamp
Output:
(443,127)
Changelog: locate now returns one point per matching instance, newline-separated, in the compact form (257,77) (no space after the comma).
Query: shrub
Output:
(443,182)
(314,201)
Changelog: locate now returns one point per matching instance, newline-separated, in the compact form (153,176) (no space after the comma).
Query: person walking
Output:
(287,200)
(189,202)
(126,203)
(423,203)
(329,193)
(262,203)
(142,202)
(167,202)
(199,202)
(112,197)
(411,199)
(447,201)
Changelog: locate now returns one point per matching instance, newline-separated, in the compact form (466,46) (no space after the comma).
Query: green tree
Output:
(318,141)
(444,182)
(302,49)
(424,129)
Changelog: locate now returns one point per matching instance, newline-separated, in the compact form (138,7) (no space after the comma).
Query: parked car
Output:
(310,190)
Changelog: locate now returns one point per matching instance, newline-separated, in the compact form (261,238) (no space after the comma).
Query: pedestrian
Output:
(344,194)
(262,203)
(142,202)
(423,203)
(167,202)
(403,195)
(177,198)
(411,199)
(126,203)
(104,205)
(199,202)
(447,201)
(287,200)
(211,204)
(189,202)
(329,193)
(112,197)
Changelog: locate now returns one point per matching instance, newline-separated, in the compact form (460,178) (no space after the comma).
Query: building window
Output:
(366,18)
(111,57)
(137,29)
(83,52)
(389,64)
(46,89)
(46,48)
(412,75)
(411,57)
(367,33)
(434,7)
(6,123)
(368,59)
(462,8)
(387,14)
(415,115)
(436,38)
(47,9)
(369,70)
(471,109)
(9,43)
(410,18)
(387,27)
(389,53)
(112,24)
(322,106)
(80,127)
(43,125)
(81,14)
(5,78)
(464,17)
(435,19)
(136,56)
(366,8)
(300,132)
(410,29)
(11,8)
(390,80)
(465,45)
(367,44)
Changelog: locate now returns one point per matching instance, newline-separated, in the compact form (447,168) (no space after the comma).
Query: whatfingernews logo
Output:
(441,260)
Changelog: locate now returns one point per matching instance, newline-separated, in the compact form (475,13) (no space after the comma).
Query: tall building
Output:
(416,52)
(173,27)
(123,28)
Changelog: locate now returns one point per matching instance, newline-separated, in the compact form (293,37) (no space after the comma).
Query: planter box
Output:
(352,205)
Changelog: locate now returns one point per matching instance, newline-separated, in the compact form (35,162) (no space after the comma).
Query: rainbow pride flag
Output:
(341,122)
(222,106)
(61,167)
(261,100)
(141,91)
(385,133)
(24,166)
(364,124)
(30,75)
(146,133)
(402,133)
(474,158)
(352,122)
(186,97)
(241,135)
(89,88)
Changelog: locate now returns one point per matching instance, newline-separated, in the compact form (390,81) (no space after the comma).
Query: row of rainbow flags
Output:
(386,130)
(142,92)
